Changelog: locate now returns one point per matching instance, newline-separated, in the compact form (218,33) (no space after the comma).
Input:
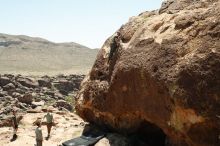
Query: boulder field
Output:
(25,93)
(159,74)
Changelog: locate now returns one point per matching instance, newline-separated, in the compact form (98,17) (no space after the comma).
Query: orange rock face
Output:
(166,71)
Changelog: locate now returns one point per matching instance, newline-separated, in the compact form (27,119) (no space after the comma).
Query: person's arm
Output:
(52,118)
(41,134)
(43,118)
(12,122)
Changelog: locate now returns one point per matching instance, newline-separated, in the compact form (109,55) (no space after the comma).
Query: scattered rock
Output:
(26,98)
(30,94)
(9,87)
(16,95)
(3,93)
(4,81)
(64,86)
(22,106)
(40,103)
(27,82)
(59,95)
(37,110)
(48,92)
(61,112)
(63,104)
(44,82)
(50,109)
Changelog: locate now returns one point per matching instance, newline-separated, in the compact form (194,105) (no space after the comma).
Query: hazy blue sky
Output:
(88,22)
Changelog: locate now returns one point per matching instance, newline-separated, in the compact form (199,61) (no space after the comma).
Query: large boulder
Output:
(164,75)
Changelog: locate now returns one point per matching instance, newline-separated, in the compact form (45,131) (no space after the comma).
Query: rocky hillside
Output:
(159,76)
(36,56)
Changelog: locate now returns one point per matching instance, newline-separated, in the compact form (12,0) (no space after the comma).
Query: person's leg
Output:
(15,132)
(49,129)
(16,129)
(40,143)
(14,136)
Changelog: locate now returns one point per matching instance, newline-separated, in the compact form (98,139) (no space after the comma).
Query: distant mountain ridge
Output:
(20,54)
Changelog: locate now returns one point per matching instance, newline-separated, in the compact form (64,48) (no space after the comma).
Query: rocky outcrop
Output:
(164,76)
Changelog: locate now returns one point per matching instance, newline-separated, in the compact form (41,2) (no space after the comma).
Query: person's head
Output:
(48,110)
(13,112)
(38,123)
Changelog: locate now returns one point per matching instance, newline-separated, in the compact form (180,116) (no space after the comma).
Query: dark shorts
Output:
(49,126)
(39,142)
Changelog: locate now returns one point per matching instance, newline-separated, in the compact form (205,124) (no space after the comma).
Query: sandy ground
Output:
(69,126)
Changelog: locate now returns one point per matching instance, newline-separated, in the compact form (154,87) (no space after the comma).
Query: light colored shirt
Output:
(49,117)
(38,132)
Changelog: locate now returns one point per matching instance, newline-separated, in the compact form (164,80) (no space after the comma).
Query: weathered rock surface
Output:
(165,74)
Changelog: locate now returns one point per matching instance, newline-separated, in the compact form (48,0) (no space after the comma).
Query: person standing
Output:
(49,122)
(14,125)
(39,135)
